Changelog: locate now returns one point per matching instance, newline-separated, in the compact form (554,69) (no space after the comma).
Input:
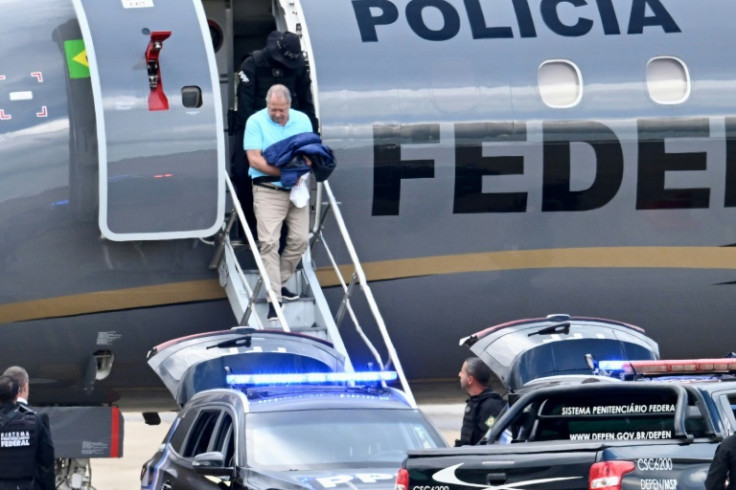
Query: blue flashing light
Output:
(611,365)
(310,378)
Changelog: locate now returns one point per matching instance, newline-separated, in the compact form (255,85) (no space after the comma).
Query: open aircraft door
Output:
(191,364)
(159,118)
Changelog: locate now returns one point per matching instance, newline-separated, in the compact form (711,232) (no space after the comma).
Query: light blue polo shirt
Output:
(261,132)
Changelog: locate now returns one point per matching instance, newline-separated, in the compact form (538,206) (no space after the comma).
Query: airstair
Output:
(243,276)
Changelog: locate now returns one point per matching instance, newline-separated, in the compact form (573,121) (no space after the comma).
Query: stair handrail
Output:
(256,254)
(362,281)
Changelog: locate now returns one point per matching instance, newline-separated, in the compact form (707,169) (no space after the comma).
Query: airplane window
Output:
(560,83)
(668,80)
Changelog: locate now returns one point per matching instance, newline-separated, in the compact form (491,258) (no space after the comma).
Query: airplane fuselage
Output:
(496,160)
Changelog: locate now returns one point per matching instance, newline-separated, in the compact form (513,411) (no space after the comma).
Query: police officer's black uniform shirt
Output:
(259,72)
(26,450)
(480,413)
(723,466)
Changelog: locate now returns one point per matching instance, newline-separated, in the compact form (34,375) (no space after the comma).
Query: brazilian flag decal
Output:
(76,58)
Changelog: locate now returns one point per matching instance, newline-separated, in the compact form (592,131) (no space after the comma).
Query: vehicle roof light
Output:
(310,378)
(682,366)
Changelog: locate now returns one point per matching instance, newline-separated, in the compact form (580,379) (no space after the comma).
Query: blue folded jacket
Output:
(287,155)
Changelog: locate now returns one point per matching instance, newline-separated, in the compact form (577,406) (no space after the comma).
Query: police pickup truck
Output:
(646,424)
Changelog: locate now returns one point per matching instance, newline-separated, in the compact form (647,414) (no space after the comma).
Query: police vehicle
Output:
(587,416)
(278,410)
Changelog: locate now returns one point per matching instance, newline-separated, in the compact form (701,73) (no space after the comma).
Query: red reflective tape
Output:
(115,433)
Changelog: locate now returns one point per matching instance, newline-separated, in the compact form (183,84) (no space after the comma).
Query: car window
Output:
(199,436)
(181,428)
(616,416)
(313,439)
(223,440)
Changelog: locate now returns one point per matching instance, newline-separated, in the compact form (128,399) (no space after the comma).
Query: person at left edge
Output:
(271,202)
(25,447)
(20,375)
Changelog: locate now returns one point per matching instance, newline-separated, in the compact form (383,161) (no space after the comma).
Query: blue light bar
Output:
(611,365)
(310,378)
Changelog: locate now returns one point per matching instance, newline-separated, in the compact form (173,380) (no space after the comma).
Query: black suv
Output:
(277,431)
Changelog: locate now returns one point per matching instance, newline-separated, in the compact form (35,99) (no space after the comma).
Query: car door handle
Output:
(496,478)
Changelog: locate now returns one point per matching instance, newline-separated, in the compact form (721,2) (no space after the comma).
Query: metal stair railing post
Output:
(256,255)
(346,303)
(225,247)
(393,356)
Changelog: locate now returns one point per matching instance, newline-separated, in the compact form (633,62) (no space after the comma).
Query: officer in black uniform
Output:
(722,471)
(483,406)
(25,444)
(280,62)
(20,376)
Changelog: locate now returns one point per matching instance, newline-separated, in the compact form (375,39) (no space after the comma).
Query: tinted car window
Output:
(223,440)
(181,429)
(615,417)
(316,439)
(199,437)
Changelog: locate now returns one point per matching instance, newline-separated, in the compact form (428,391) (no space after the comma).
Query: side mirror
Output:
(211,463)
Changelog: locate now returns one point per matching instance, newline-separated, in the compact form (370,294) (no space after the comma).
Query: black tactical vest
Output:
(268,74)
(18,443)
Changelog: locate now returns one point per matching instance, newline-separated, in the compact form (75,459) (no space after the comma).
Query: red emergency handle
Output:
(157,100)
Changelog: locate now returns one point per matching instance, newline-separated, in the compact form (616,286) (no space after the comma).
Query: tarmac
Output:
(443,403)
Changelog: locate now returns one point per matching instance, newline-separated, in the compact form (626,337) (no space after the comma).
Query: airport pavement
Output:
(442,403)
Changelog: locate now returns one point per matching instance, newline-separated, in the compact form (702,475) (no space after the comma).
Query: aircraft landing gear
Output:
(73,474)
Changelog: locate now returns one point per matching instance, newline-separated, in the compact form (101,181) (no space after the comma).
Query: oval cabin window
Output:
(668,80)
(560,83)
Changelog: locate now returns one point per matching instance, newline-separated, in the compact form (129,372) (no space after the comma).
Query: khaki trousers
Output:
(272,209)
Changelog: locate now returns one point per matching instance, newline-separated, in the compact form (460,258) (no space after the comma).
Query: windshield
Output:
(315,439)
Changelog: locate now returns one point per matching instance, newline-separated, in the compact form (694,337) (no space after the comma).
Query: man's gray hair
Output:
(19,374)
(280,92)
(479,370)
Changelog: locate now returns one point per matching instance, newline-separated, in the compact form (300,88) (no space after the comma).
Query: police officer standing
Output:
(483,406)
(20,375)
(25,444)
(280,62)
(722,471)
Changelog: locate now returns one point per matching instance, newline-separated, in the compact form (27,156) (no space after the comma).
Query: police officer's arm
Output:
(304,94)
(44,475)
(246,92)
(718,470)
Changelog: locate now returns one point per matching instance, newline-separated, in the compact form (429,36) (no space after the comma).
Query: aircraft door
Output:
(219,21)
(159,118)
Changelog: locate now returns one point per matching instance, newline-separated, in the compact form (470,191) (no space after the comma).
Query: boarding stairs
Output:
(242,274)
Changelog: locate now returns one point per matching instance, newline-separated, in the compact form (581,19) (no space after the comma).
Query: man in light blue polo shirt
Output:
(271,202)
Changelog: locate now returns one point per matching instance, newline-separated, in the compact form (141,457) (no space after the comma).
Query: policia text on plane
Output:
(371,14)
(654,162)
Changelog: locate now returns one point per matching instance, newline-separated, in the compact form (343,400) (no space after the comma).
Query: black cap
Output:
(285,49)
